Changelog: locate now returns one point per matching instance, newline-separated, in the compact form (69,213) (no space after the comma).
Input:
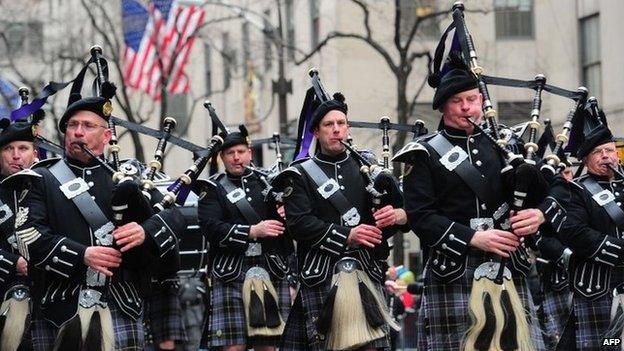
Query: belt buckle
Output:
(254,249)
(483,223)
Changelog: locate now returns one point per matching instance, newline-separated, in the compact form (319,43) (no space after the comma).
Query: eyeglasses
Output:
(88,126)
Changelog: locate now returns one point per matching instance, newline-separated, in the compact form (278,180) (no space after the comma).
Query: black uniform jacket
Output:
(554,276)
(319,228)
(227,228)
(444,211)
(9,254)
(594,238)
(54,236)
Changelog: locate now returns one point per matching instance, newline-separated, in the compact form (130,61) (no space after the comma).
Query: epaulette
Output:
(577,181)
(17,177)
(201,186)
(46,163)
(296,162)
(405,154)
(286,172)
(214,179)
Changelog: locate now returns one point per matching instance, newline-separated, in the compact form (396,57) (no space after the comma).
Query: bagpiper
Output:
(593,232)
(341,240)
(17,153)
(249,247)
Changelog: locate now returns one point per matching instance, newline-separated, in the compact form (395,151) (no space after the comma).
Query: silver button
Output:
(55,259)
(247,190)
(478,163)
(90,184)
(63,248)
(339,176)
(88,172)
(244,180)
(249,199)
(444,246)
(342,187)
(93,197)
(483,207)
(618,203)
(471,140)
(475,151)
(451,237)
(338,166)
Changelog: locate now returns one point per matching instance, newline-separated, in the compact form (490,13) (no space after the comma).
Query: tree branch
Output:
(375,45)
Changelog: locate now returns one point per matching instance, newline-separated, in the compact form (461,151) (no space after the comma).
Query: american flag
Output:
(158,39)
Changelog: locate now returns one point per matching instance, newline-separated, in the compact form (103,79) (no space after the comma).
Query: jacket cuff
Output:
(8,265)
(64,259)
(610,252)
(334,240)
(455,241)
(162,234)
(554,213)
(237,238)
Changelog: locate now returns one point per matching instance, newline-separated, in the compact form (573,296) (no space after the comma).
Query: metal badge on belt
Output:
(453,158)
(254,249)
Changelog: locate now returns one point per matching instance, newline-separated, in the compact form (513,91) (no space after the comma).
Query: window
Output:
(411,10)
(22,38)
(290,30)
(315,18)
(514,112)
(208,68)
(590,54)
(514,19)
(267,42)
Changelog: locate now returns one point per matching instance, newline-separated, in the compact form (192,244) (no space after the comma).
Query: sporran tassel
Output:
(262,311)
(271,309)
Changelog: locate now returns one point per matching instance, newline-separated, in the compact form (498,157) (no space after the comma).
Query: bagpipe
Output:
(267,176)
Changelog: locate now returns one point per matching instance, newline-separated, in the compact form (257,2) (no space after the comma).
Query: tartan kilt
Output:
(165,313)
(556,308)
(300,332)
(227,323)
(443,319)
(592,320)
(129,334)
